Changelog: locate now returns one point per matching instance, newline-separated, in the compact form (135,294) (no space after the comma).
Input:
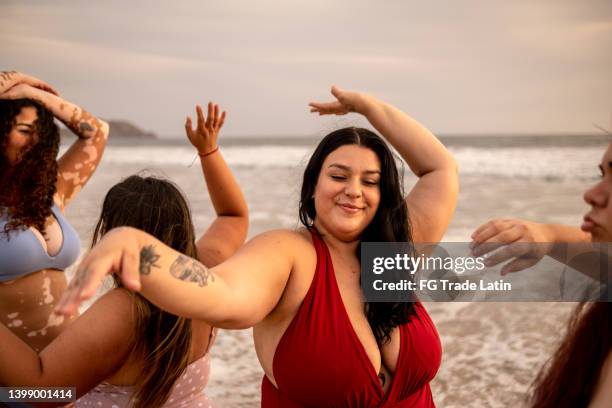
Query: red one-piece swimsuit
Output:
(320,362)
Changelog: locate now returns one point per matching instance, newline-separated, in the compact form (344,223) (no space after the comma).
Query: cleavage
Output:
(52,241)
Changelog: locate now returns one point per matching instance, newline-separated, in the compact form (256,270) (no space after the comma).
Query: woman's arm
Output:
(90,350)
(236,294)
(77,165)
(431,202)
(228,231)
(524,243)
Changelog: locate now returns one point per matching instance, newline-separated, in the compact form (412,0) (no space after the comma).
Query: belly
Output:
(26,307)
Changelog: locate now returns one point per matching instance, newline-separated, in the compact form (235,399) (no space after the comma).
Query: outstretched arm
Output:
(524,243)
(431,202)
(236,294)
(228,231)
(89,351)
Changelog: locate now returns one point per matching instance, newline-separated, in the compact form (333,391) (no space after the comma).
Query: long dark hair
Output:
(569,378)
(157,207)
(390,223)
(28,186)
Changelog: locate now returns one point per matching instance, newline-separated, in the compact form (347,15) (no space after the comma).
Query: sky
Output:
(467,67)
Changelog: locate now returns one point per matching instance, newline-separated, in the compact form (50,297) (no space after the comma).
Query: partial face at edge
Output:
(599,220)
(347,193)
(23,135)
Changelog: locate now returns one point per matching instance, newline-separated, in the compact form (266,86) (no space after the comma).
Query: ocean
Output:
(492,351)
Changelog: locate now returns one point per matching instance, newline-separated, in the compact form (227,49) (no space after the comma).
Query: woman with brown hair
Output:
(318,341)
(579,374)
(124,351)
(36,242)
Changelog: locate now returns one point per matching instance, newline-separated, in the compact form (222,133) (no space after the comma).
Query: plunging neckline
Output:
(364,354)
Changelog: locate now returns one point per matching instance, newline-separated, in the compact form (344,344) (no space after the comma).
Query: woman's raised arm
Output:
(431,202)
(77,165)
(229,230)
(235,294)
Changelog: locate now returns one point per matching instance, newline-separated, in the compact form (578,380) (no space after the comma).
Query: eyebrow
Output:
(347,168)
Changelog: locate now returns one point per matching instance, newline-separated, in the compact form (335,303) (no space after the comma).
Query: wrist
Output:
(208,152)
(366,105)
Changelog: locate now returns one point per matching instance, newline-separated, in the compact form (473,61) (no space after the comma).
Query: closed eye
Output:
(338,177)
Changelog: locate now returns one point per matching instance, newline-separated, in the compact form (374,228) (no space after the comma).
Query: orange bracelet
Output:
(209,153)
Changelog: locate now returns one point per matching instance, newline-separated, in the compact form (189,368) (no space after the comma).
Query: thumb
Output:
(337,92)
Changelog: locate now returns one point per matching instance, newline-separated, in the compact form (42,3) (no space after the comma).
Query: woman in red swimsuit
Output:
(317,341)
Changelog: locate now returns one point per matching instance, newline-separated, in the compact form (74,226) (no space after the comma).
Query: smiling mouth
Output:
(349,208)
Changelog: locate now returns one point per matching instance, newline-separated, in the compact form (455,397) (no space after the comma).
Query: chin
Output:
(601,236)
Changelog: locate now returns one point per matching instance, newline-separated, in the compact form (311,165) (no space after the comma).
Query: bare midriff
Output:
(27,303)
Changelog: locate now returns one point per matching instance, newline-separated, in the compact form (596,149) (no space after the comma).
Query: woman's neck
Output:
(335,242)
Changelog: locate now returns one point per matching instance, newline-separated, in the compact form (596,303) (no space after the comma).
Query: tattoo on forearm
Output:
(148,257)
(190,270)
(84,124)
(85,127)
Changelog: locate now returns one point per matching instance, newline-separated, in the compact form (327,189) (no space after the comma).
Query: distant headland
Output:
(120,129)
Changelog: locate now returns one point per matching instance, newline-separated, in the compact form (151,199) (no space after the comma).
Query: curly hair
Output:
(28,186)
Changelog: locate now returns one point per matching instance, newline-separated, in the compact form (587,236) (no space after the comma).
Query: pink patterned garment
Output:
(188,391)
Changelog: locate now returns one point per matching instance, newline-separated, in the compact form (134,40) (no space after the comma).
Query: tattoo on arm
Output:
(85,127)
(190,270)
(148,257)
(84,124)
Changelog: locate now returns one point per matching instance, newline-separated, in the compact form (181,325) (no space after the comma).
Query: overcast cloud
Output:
(457,66)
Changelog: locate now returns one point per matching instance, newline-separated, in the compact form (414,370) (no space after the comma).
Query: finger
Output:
(68,304)
(486,231)
(478,230)
(130,272)
(518,265)
(215,117)
(200,115)
(504,254)
(502,238)
(189,128)
(47,88)
(210,115)
(222,120)
(92,279)
(337,92)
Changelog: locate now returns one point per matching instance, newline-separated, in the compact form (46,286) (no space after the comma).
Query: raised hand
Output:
(204,136)
(346,101)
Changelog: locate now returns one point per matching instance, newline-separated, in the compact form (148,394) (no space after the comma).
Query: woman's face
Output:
(599,220)
(347,193)
(22,136)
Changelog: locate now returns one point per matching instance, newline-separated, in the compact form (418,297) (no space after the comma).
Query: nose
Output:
(597,196)
(353,188)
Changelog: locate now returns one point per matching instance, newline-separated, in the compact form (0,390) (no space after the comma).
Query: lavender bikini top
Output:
(22,253)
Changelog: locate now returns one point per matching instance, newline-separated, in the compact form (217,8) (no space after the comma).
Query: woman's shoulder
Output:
(288,237)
